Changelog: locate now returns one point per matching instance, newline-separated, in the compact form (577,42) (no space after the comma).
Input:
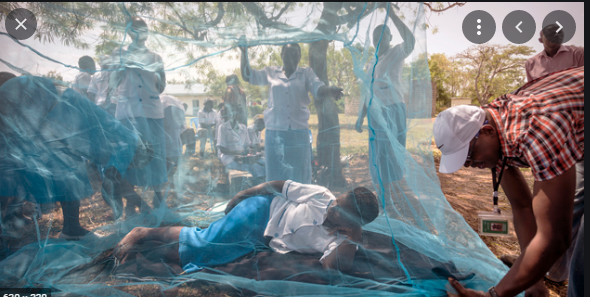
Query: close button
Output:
(21,24)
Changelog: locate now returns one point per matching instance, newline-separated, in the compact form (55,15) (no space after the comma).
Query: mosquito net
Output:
(107,146)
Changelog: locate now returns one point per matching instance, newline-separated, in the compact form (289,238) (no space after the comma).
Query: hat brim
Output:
(453,162)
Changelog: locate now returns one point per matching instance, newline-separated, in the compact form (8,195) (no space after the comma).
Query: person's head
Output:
(138,31)
(291,55)
(5,76)
(259,122)
(382,38)
(208,106)
(551,38)
(86,64)
(232,80)
(356,207)
(464,137)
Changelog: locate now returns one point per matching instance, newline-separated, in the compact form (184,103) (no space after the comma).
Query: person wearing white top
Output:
(99,88)
(233,146)
(387,110)
(82,80)
(138,83)
(207,123)
(174,124)
(295,217)
(288,153)
(254,132)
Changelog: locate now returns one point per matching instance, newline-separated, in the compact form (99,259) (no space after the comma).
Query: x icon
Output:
(20,24)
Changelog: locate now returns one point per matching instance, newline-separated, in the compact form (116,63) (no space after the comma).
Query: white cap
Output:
(453,130)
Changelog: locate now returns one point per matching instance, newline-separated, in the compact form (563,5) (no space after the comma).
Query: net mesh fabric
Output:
(415,243)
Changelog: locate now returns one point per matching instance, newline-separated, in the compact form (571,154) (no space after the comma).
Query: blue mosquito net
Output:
(76,140)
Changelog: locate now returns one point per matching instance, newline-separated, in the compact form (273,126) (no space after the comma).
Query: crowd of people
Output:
(120,129)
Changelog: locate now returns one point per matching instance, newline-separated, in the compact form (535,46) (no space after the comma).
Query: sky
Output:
(448,39)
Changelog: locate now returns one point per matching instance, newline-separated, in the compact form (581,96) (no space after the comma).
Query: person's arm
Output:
(161,76)
(271,187)
(245,68)
(227,151)
(521,197)
(580,58)
(165,236)
(552,205)
(361,118)
(342,257)
(543,225)
(330,91)
(404,31)
(528,67)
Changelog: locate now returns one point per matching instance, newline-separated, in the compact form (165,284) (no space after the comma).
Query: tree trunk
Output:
(328,138)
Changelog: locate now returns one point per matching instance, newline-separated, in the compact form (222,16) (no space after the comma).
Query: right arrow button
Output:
(564,21)
(560,26)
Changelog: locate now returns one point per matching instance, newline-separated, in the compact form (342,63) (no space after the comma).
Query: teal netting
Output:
(121,134)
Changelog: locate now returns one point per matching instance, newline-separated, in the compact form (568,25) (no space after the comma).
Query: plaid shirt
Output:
(541,125)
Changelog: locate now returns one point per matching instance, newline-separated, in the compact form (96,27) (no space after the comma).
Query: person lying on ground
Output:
(284,216)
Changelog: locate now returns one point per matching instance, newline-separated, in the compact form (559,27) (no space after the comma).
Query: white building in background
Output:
(193,95)
(460,101)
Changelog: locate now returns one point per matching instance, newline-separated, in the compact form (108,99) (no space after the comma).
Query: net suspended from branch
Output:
(119,135)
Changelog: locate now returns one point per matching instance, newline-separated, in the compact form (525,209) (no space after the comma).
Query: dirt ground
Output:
(468,191)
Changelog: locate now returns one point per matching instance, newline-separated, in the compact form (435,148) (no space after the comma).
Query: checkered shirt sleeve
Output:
(542,124)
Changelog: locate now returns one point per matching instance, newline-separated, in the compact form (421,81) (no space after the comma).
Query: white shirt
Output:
(137,94)
(207,118)
(81,83)
(99,85)
(296,218)
(178,119)
(288,98)
(387,86)
(254,136)
(232,139)
(174,124)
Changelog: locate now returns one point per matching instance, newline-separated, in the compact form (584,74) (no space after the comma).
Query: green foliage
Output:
(482,72)
(493,70)
(440,73)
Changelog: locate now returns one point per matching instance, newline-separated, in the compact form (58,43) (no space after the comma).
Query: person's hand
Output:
(335,92)
(461,291)
(125,249)
(144,153)
(330,91)
(359,125)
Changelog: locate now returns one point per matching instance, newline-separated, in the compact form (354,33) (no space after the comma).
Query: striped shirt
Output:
(541,125)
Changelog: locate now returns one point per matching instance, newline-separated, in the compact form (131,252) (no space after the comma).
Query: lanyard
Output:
(496,184)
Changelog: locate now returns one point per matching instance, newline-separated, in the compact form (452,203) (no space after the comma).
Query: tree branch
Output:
(282,11)
(430,6)
(261,17)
